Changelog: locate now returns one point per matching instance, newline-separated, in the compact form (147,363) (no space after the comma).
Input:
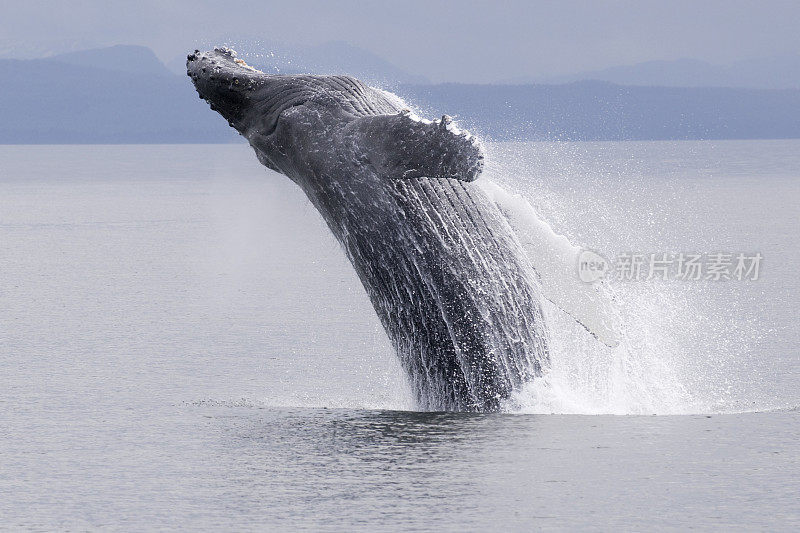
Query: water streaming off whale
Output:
(501,303)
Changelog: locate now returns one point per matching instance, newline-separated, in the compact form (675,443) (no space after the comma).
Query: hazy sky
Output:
(469,41)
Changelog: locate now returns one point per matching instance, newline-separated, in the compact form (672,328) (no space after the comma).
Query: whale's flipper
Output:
(402,146)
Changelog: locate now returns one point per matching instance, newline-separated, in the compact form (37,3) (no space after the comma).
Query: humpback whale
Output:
(455,292)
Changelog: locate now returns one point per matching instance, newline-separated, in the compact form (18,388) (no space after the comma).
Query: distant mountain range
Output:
(124,94)
(593,110)
(121,58)
(775,72)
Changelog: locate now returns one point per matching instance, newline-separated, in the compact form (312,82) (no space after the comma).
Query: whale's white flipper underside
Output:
(555,259)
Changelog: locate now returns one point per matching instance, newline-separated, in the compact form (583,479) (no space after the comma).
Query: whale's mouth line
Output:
(277,116)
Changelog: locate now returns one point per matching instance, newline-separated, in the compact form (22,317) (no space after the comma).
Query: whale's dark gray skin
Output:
(443,269)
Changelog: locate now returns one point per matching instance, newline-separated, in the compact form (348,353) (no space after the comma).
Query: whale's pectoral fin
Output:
(403,146)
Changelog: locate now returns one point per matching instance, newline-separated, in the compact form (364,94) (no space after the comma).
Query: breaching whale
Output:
(447,276)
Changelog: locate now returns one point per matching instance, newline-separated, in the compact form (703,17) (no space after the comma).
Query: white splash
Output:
(555,259)
(608,351)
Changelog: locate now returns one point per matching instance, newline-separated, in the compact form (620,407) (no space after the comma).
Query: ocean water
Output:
(183,345)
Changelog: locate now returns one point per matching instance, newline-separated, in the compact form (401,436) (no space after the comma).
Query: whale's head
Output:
(253,100)
(228,84)
(301,121)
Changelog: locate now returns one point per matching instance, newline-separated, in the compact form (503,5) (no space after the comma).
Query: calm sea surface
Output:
(184,346)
